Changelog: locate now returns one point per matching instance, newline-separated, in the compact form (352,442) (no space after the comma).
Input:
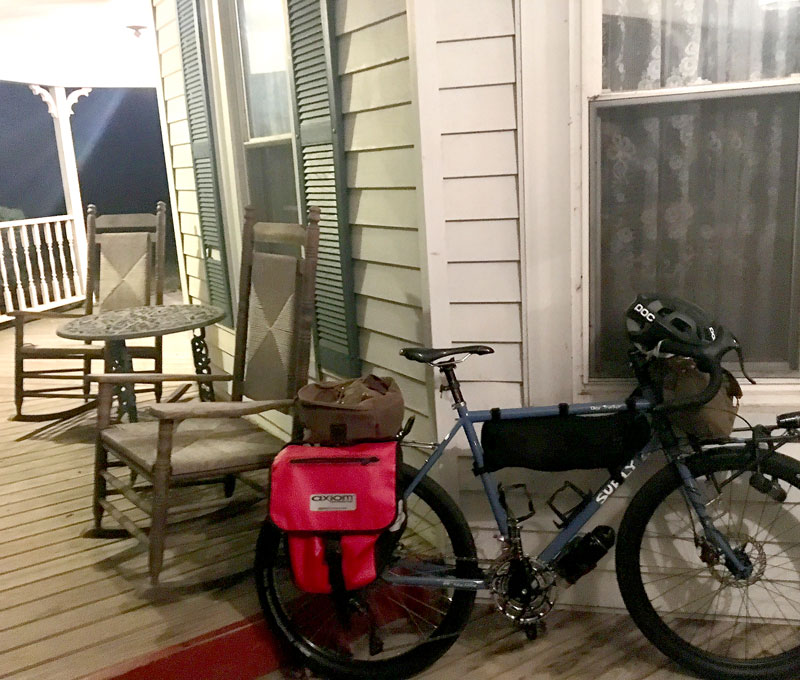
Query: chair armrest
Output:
(26,314)
(216,409)
(154,378)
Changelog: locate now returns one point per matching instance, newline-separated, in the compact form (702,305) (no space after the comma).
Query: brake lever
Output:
(741,365)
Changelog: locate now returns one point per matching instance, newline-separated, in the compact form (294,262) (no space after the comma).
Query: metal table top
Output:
(140,322)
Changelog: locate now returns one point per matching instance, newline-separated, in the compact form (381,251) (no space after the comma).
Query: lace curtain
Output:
(697,198)
(650,44)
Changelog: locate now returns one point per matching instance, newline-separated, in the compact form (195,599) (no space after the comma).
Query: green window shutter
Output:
(322,174)
(205,170)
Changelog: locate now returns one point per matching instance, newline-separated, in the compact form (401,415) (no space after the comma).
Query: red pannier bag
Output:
(339,505)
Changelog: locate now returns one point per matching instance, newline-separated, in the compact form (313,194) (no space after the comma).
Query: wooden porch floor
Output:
(71,606)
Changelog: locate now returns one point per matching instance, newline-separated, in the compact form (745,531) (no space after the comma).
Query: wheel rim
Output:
(699,599)
(383,621)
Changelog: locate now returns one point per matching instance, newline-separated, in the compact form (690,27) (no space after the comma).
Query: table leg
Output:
(202,364)
(118,360)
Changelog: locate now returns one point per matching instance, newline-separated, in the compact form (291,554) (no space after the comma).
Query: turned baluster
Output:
(76,276)
(12,244)
(26,250)
(4,270)
(48,237)
(62,258)
(37,244)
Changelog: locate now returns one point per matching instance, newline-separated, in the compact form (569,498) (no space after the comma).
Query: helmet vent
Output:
(681,325)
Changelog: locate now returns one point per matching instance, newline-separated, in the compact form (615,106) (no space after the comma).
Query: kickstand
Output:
(375,641)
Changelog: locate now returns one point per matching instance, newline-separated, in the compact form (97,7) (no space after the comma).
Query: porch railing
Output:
(39,265)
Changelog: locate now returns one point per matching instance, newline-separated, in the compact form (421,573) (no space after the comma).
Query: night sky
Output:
(117,144)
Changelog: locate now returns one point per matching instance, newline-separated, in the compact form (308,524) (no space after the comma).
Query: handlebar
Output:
(714,383)
(708,359)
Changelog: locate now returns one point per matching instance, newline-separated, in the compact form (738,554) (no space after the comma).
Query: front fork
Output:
(695,498)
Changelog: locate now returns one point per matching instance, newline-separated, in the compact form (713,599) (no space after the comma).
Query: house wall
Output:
(466,79)
(379,136)
(477,99)
(373,66)
(220,339)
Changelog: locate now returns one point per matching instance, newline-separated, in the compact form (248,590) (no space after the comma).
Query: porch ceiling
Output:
(70,35)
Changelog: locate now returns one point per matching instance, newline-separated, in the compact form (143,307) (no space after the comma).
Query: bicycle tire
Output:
(694,616)
(332,651)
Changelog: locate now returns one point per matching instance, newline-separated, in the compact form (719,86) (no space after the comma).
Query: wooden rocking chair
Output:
(126,269)
(210,442)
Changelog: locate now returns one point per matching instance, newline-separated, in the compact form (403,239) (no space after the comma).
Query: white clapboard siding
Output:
(382,176)
(382,168)
(476,62)
(478,109)
(383,207)
(485,322)
(485,395)
(384,350)
(502,366)
(184,177)
(374,45)
(376,87)
(361,13)
(482,240)
(386,282)
(491,282)
(470,19)
(477,102)
(479,154)
(379,129)
(172,81)
(179,134)
(379,244)
(402,321)
(481,198)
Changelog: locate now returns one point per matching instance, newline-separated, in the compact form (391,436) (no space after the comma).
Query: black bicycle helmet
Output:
(652,318)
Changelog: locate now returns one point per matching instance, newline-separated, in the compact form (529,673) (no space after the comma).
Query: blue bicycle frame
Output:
(466,421)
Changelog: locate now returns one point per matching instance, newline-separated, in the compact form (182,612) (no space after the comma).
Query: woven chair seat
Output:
(201,446)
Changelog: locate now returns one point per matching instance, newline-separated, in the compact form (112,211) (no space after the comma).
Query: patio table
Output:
(117,326)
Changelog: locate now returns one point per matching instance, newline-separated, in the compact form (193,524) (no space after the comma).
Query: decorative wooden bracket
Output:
(52,108)
(47,98)
(74,96)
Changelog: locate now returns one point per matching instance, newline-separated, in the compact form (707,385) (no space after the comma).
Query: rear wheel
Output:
(390,630)
(679,591)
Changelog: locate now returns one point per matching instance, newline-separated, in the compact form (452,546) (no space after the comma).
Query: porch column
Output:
(59,105)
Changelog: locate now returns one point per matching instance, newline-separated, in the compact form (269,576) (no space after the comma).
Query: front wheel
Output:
(391,630)
(679,591)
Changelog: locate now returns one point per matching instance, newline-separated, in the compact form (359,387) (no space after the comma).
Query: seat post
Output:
(449,372)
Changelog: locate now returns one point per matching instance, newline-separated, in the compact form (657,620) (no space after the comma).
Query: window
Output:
(269,151)
(694,171)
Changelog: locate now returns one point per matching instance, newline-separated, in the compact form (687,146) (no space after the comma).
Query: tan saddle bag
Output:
(349,411)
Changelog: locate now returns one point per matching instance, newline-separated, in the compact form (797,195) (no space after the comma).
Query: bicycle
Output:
(705,559)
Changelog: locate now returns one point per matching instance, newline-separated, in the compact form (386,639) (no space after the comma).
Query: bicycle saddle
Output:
(426,355)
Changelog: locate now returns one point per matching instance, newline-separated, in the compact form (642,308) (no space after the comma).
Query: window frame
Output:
(629,98)
(240,140)
(556,229)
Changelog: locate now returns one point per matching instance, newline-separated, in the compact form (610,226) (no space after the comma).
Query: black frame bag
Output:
(568,442)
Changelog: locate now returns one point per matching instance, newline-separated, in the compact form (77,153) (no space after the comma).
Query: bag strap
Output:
(333,558)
